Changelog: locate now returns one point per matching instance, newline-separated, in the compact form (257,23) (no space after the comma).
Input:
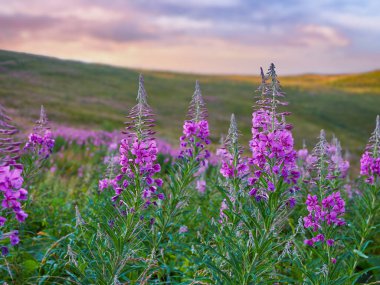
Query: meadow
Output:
(98,97)
(170,202)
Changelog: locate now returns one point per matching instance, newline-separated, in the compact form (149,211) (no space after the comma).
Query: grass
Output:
(99,96)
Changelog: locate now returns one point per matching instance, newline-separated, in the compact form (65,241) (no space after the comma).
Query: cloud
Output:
(314,35)
(215,35)
(181,23)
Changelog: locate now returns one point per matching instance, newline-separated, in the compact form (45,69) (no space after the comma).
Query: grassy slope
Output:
(98,96)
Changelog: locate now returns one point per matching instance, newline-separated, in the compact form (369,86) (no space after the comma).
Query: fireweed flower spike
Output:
(257,200)
(272,146)
(339,166)
(41,141)
(365,222)
(138,155)
(195,129)
(324,203)
(11,181)
(322,216)
(370,160)
(233,168)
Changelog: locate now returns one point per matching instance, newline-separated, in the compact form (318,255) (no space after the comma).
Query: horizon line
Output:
(184,72)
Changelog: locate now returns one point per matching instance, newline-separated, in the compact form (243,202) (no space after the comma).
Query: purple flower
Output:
(302,153)
(21,215)
(195,130)
(103,184)
(253,192)
(272,144)
(325,214)
(14,238)
(291,202)
(4,250)
(201,186)
(308,242)
(183,229)
(11,180)
(41,141)
(369,166)
(138,155)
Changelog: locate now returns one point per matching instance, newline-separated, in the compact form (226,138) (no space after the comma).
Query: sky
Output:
(199,36)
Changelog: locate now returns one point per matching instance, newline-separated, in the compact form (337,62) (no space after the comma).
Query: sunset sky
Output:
(203,36)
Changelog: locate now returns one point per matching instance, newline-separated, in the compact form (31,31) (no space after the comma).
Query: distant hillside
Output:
(99,96)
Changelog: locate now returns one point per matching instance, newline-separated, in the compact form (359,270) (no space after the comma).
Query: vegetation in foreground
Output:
(86,209)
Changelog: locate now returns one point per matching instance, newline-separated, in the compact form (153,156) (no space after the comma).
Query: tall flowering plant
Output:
(12,192)
(123,235)
(272,145)
(366,205)
(317,243)
(39,146)
(370,160)
(41,141)
(234,169)
(182,176)
(136,186)
(259,194)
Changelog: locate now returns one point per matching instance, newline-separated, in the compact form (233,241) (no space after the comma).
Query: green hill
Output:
(99,96)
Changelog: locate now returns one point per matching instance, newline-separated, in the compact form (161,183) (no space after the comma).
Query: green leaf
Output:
(30,265)
(361,254)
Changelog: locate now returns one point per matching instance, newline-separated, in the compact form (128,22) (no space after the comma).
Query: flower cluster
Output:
(137,156)
(11,188)
(232,164)
(196,130)
(138,159)
(369,166)
(234,167)
(328,213)
(339,166)
(325,163)
(272,143)
(228,170)
(11,181)
(43,144)
(195,136)
(370,160)
(273,147)
(41,141)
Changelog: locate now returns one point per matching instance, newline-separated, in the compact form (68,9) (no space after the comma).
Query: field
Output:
(148,211)
(98,97)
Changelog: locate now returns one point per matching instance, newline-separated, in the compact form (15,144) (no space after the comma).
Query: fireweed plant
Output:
(322,248)
(19,167)
(183,180)
(39,146)
(259,194)
(156,214)
(145,215)
(11,185)
(115,247)
(365,225)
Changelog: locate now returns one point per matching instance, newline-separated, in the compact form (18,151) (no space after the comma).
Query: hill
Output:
(99,96)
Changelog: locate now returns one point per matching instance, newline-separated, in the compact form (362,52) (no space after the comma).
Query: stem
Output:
(368,224)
